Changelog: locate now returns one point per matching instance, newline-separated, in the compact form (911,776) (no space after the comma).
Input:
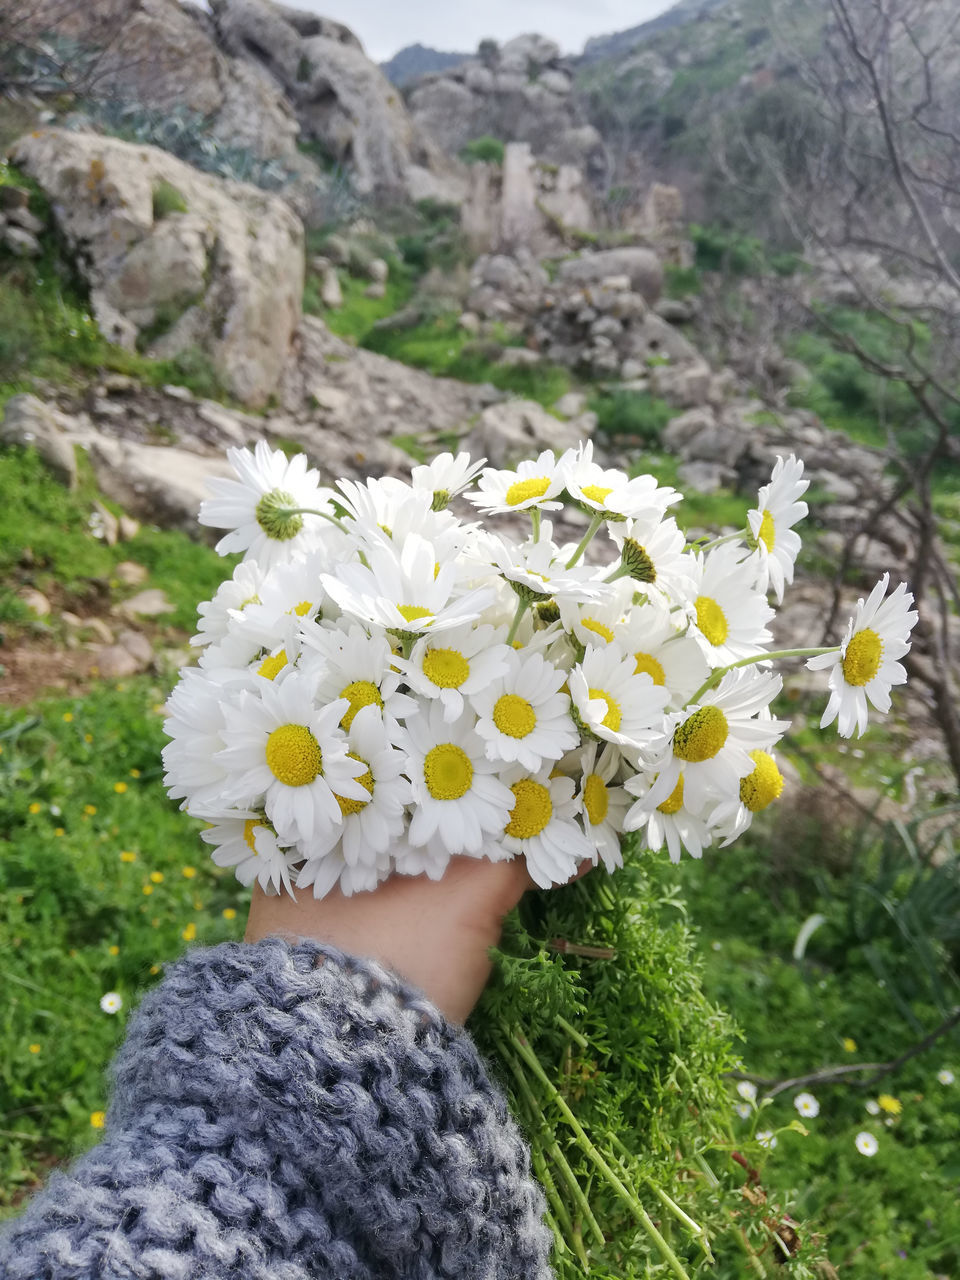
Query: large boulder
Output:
(341,98)
(176,259)
(642,267)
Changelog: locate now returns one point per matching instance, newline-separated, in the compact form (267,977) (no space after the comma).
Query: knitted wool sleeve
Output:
(283,1111)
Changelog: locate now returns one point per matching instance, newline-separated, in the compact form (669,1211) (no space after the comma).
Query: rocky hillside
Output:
(417,60)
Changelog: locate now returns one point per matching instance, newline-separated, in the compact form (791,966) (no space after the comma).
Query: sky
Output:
(385,26)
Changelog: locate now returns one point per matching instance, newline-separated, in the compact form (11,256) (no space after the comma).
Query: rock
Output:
(331,294)
(130,573)
(138,646)
(21,242)
(838,487)
(164,485)
(230,267)
(114,662)
(30,423)
(571,405)
(332,400)
(676,310)
(146,604)
(718,443)
(35,601)
(516,429)
(686,386)
(376,290)
(338,94)
(679,431)
(642,266)
(378,271)
(107,526)
(705,477)
(469,322)
(95,626)
(633,370)
(555,81)
(520,357)
(22,217)
(13,198)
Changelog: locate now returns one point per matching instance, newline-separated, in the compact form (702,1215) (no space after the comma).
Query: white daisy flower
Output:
(771,526)
(866,1143)
(194,726)
(612,702)
(710,742)
(446,476)
(673,660)
(542,826)
(404,590)
(729,616)
(872,1107)
(379,501)
(946,1076)
(536,567)
(523,717)
(455,665)
(652,552)
(867,666)
(668,823)
(256,507)
(807,1105)
(533,484)
(594,622)
(612,494)
(743,1110)
(331,871)
(246,841)
(370,826)
(747,1090)
(757,791)
(767,1139)
(232,597)
(456,795)
(290,598)
(288,755)
(111,1002)
(603,805)
(349,663)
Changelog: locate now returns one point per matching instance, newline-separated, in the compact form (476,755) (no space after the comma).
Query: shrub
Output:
(166,200)
(486,149)
(631,413)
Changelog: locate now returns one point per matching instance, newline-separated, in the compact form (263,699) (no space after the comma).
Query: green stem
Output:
(552,1146)
(585,541)
(590,1151)
(581,1040)
(522,607)
(667,1201)
(716,676)
(286,512)
(718,542)
(619,572)
(535,514)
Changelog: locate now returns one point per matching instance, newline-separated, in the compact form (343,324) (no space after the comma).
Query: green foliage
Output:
(441,347)
(435,240)
(46,542)
(699,511)
(486,149)
(166,200)
(80,786)
(358,315)
(680,282)
(631,413)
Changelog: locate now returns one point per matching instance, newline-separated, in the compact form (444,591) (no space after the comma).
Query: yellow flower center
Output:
(767,534)
(293,755)
(598,628)
(596,493)
(413,612)
(862,660)
(764,785)
(595,798)
(648,665)
(514,716)
(362,693)
(347,807)
(674,800)
(893,1106)
(532,809)
(272,666)
(249,827)
(447,772)
(613,717)
(701,735)
(524,490)
(446,668)
(302,609)
(711,620)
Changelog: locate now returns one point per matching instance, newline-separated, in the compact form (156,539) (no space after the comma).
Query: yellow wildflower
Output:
(34,1048)
(156,877)
(890,1104)
(97,1119)
(35,807)
(119,788)
(849,1045)
(126,855)
(189,933)
(188,872)
(229,913)
(90,809)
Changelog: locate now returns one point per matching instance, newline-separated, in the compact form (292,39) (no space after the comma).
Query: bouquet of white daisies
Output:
(383,685)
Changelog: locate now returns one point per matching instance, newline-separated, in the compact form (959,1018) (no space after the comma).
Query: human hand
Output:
(434,933)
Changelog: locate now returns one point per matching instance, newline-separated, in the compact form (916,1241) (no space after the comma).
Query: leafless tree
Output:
(56,46)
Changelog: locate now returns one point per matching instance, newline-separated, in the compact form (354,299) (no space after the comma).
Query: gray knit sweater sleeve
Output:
(284,1111)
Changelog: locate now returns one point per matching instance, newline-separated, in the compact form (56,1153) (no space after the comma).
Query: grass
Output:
(356,318)
(698,511)
(102,881)
(631,413)
(46,542)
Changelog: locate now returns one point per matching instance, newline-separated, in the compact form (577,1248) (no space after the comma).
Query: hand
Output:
(434,933)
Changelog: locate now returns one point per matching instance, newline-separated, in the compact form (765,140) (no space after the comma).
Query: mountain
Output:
(416,60)
(622,42)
